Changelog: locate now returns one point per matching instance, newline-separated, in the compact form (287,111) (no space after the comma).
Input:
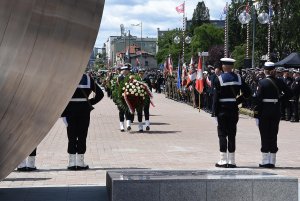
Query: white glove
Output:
(257,122)
(216,120)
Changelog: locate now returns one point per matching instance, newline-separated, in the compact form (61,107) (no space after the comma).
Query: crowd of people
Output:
(188,94)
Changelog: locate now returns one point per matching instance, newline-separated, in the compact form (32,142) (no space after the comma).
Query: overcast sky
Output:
(153,14)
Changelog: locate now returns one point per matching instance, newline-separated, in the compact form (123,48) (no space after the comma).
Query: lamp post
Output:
(186,39)
(245,18)
(141,25)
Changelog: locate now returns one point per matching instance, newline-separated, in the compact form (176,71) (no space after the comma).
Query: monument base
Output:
(202,185)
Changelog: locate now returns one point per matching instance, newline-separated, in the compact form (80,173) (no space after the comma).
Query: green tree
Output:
(167,46)
(207,36)
(200,16)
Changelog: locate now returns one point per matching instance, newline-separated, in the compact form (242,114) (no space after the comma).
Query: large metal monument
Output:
(44,48)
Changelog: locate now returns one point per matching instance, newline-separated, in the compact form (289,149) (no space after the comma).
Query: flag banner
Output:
(170,65)
(179,75)
(199,80)
(180,8)
(184,75)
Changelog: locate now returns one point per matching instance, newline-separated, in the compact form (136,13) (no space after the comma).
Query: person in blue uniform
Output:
(77,119)
(271,91)
(226,99)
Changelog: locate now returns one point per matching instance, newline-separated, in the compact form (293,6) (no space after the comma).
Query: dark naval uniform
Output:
(77,117)
(226,91)
(270,92)
(295,100)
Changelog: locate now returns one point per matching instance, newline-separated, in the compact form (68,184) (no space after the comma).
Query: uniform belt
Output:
(270,100)
(78,99)
(223,100)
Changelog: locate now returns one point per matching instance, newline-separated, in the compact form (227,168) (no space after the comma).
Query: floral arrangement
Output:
(136,94)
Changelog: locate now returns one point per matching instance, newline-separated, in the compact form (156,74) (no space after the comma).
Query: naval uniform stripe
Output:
(78,99)
(267,100)
(223,100)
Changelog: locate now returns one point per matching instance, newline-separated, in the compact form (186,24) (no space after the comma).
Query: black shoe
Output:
(23,169)
(221,166)
(264,166)
(129,128)
(83,168)
(30,169)
(72,168)
(147,128)
(294,120)
(231,166)
(122,130)
(141,131)
(271,166)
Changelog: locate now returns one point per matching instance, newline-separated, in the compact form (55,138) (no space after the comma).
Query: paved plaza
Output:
(181,138)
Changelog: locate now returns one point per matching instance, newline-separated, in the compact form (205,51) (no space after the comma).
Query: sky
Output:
(152,13)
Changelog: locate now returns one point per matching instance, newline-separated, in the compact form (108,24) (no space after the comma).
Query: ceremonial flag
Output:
(199,81)
(170,65)
(179,75)
(184,75)
(180,8)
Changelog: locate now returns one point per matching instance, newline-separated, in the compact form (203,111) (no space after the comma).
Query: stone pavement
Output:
(181,138)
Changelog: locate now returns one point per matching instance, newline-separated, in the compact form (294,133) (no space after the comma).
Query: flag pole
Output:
(199,101)
(183,31)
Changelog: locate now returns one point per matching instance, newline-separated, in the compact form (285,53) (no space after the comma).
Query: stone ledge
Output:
(206,185)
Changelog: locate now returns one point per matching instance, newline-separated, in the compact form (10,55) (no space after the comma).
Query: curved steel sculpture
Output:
(44,48)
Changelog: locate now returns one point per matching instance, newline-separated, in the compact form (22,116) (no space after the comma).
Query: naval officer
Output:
(226,99)
(271,92)
(77,119)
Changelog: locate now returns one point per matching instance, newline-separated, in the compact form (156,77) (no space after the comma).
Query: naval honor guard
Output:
(271,91)
(226,99)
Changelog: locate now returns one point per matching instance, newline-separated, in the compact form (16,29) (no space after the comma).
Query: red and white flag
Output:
(180,8)
(199,80)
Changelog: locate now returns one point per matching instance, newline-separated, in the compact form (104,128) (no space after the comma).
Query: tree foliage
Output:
(200,16)
(207,36)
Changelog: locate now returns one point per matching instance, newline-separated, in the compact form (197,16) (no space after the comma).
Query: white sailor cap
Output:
(125,68)
(205,72)
(227,61)
(296,71)
(269,66)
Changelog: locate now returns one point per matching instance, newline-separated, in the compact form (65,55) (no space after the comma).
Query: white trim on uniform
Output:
(86,86)
(270,100)
(78,99)
(239,82)
(223,100)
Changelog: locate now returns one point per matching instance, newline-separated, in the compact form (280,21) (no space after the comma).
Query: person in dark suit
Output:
(77,119)
(226,99)
(295,99)
(271,91)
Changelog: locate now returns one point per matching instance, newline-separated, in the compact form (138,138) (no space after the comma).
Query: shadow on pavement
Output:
(66,170)
(155,132)
(26,179)
(277,168)
(80,193)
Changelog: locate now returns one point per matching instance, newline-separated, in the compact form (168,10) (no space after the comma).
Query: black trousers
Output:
(33,153)
(146,111)
(125,114)
(77,133)
(268,127)
(295,109)
(227,121)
